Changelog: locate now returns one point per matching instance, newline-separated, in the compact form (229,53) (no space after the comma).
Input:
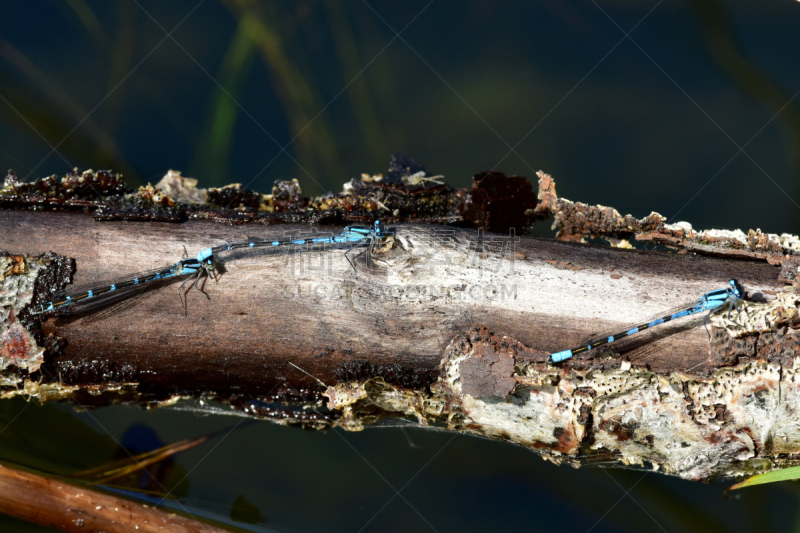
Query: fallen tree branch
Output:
(73,508)
(445,325)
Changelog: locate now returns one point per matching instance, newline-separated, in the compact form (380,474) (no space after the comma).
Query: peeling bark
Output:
(737,421)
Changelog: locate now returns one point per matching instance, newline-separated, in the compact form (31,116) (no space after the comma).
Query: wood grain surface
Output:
(401,308)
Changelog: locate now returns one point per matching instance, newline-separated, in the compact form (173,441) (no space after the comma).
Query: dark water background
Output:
(685,108)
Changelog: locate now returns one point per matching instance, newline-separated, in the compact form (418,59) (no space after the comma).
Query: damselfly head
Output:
(379,228)
(737,289)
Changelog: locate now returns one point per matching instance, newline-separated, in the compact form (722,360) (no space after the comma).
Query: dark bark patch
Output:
(488,373)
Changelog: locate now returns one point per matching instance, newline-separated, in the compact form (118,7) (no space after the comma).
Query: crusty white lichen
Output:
(182,189)
(753,317)
(735,422)
(17,346)
(740,420)
(788,243)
